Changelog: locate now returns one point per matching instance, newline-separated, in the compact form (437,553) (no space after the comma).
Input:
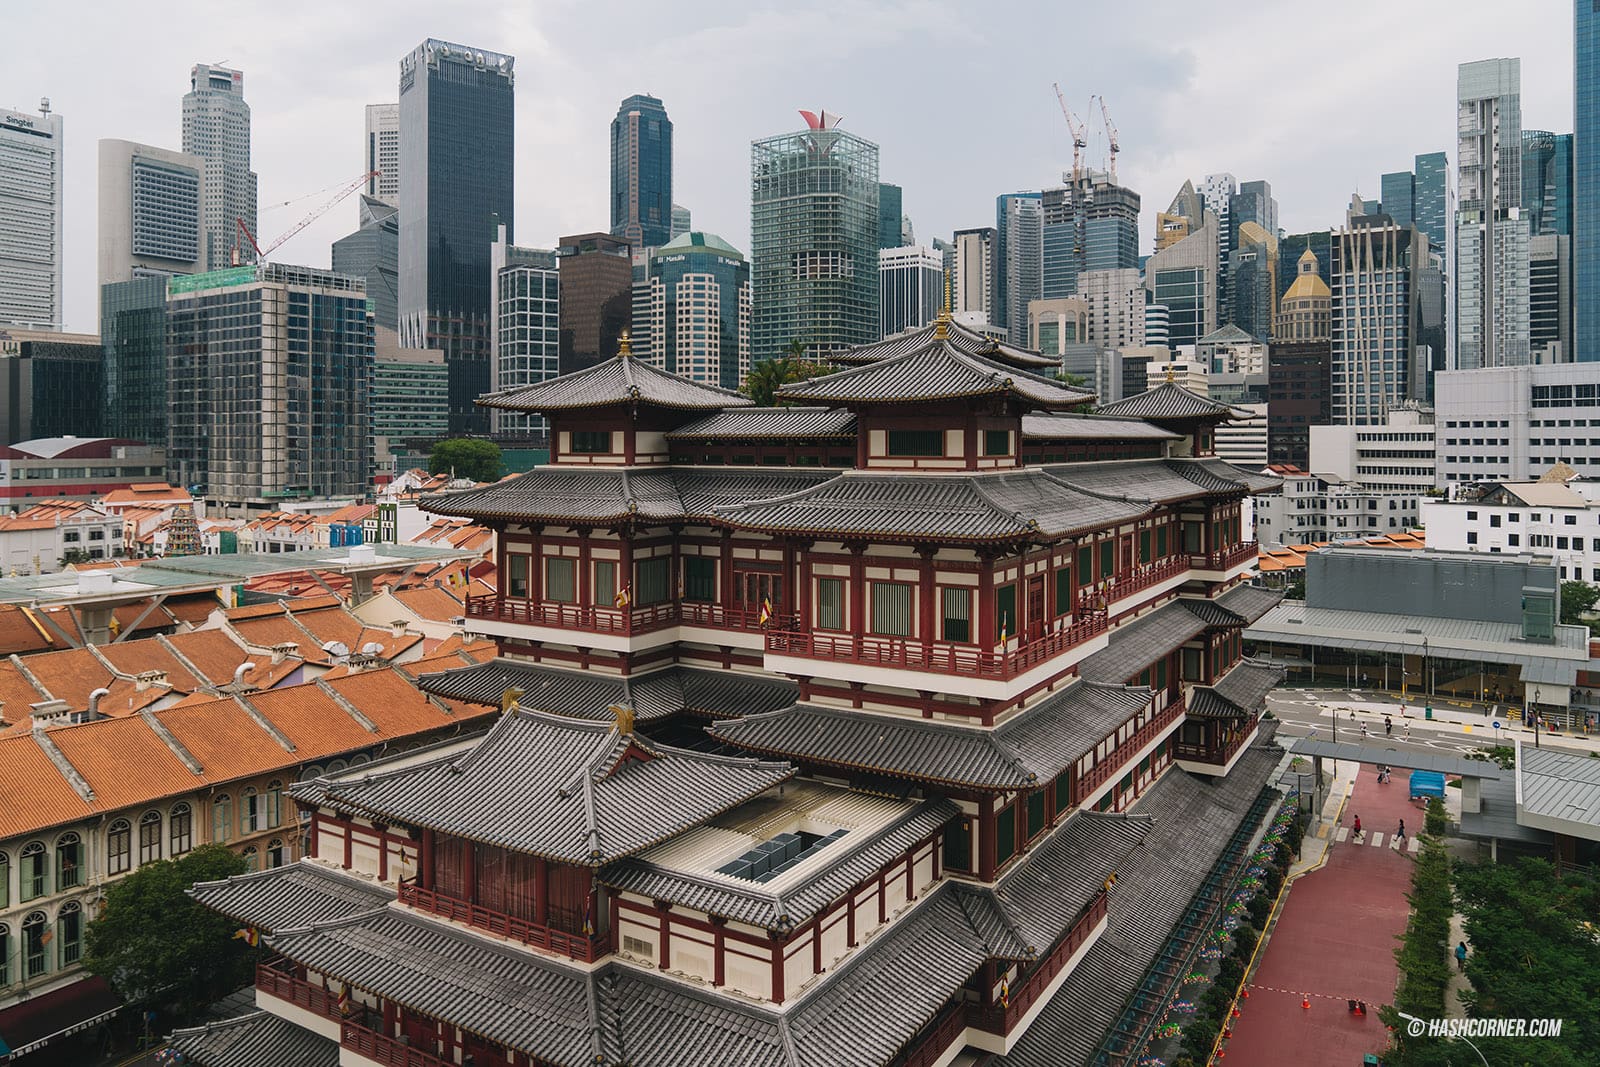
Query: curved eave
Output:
(796,757)
(833,533)
(551,409)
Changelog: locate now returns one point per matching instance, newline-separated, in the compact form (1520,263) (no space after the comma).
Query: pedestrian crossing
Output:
(1376,839)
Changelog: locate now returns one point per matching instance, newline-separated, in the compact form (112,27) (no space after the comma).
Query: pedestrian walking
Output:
(1358,826)
(1388,726)
(1363,731)
(1461,955)
(1400,834)
(1408,731)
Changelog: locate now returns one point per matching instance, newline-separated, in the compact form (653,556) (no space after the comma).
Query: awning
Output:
(1409,759)
(34,1023)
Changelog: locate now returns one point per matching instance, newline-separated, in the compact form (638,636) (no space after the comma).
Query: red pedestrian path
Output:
(1334,943)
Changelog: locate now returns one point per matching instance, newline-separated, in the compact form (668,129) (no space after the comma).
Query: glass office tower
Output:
(1586,180)
(641,172)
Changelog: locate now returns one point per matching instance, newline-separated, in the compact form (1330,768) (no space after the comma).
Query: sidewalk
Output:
(1449,717)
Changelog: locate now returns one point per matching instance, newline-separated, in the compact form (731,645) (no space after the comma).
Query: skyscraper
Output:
(1297,367)
(1397,192)
(151,212)
(527,327)
(1116,301)
(891,209)
(641,172)
(1430,199)
(814,239)
(682,220)
(216,127)
(1586,181)
(1491,271)
(976,265)
(1547,182)
(133,337)
(373,253)
(1019,218)
(911,287)
(31,179)
(1375,319)
(596,272)
(1183,274)
(1110,231)
(1253,280)
(696,304)
(1217,192)
(1547,209)
(382,149)
(456,171)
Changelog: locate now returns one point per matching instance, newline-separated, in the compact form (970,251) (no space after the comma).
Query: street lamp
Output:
(1535,716)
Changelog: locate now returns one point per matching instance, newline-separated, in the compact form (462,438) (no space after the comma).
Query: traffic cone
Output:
(1305,1002)
(1235,1011)
(1245,993)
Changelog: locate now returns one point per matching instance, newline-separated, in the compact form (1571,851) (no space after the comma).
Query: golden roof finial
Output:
(623,713)
(624,347)
(1169,373)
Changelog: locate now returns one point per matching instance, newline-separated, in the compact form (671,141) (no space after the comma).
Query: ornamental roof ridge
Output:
(621,379)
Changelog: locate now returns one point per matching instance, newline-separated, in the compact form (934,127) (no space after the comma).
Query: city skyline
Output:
(1176,106)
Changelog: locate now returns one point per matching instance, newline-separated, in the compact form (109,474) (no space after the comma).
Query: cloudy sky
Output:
(1317,99)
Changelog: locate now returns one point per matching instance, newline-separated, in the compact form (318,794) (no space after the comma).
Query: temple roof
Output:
(987,506)
(567,790)
(259,1039)
(1136,644)
(1169,400)
(1061,426)
(589,695)
(936,371)
(1158,481)
(1250,602)
(294,895)
(1043,894)
(770,423)
(620,380)
(1239,694)
(960,336)
(1033,746)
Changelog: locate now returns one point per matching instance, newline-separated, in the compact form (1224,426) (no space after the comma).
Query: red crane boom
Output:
(261,253)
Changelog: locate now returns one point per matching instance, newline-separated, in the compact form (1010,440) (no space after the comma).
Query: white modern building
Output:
(216,127)
(1230,350)
(151,212)
(525,327)
(910,287)
(1317,508)
(1243,442)
(1116,308)
(1553,518)
(1397,455)
(1058,326)
(1511,424)
(977,284)
(382,152)
(1188,373)
(31,179)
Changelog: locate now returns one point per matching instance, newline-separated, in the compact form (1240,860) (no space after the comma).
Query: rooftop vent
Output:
(771,858)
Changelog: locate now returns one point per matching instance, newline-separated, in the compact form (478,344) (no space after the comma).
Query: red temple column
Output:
(987,630)
(986,839)
(925,597)
(585,586)
(625,577)
(802,598)
(726,589)
(777,971)
(536,567)
(858,589)
(469,875)
(425,860)
(541,892)
(719,951)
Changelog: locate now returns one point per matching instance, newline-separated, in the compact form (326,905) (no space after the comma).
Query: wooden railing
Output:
(937,1042)
(1224,558)
(998,1020)
(911,654)
(386,1050)
(706,613)
(573,616)
(1218,755)
(297,991)
(1116,763)
(1114,588)
(575,946)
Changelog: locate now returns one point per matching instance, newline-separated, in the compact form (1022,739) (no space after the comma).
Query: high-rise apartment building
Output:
(31,179)
(1491,269)
(891,215)
(814,239)
(1375,319)
(456,171)
(133,338)
(641,172)
(596,297)
(1586,181)
(682,220)
(910,287)
(692,309)
(1183,276)
(1110,237)
(152,212)
(216,127)
(373,253)
(382,152)
(977,288)
(526,335)
(264,408)
(1019,221)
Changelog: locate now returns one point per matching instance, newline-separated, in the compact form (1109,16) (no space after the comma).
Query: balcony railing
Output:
(1115,763)
(1001,1020)
(1114,588)
(576,946)
(942,657)
(1225,558)
(706,613)
(641,620)
(1217,755)
(937,1042)
(388,1051)
(297,991)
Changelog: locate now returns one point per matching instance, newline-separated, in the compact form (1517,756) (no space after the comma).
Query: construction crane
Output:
(1111,136)
(261,253)
(1075,194)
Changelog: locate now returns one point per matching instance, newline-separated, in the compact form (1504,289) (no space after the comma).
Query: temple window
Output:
(830,603)
(957,605)
(605,584)
(1005,834)
(1085,565)
(560,581)
(916,442)
(654,581)
(591,442)
(1005,614)
(891,609)
(699,578)
(997,442)
(1063,590)
(517,574)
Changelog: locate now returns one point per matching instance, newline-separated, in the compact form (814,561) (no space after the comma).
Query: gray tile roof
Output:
(977,507)
(1137,644)
(1033,746)
(588,695)
(1250,601)
(505,994)
(596,496)
(1193,820)
(653,1021)
(560,788)
(1496,816)
(297,894)
(1246,686)
(1151,480)
(259,1039)
(1255,481)
(1061,426)
(1170,400)
(961,337)
(1411,759)
(622,380)
(936,371)
(753,902)
(770,423)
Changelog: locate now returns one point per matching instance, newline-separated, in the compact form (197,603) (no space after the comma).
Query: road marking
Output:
(1377,839)
(1344,832)
(1413,844)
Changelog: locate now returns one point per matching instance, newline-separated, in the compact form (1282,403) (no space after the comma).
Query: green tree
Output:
(1077,381)
(155,945)
(1296,588)
(466,457)
(765,378)
(1577,601)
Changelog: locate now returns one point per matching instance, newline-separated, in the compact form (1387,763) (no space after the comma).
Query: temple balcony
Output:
(583,947)
(1124,756)
(362,1046)
(906,662)
(1225,563)
(1217,750)
(1114,593)
(1046,976)
(614,629)
(301,1002)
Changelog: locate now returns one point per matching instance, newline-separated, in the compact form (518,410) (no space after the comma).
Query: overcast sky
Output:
(1317,99)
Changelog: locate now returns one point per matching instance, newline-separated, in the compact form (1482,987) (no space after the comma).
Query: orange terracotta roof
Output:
(193,610)
(70,675)
(394,705)
(134,657)
(225,739)
(314,721)
(214,654)
(253,611)
(33,794)
(16,694)
(107,751)
(431,602)
(21,633)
